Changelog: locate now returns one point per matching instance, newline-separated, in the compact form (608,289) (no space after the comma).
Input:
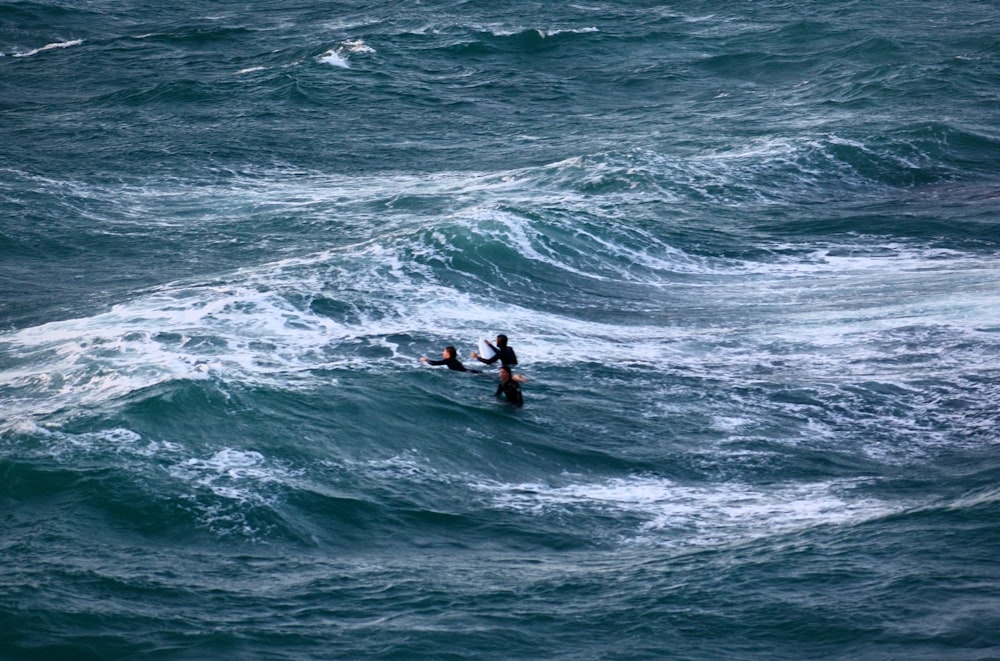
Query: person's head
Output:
(449,352)
(501,340)
(505,374)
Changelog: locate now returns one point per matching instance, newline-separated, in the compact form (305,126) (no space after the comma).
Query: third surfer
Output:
(509,387)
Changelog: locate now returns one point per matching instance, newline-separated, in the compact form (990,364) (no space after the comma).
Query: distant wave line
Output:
(53,46)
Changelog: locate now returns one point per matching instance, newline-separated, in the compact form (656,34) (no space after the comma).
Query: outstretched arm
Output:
(488,361)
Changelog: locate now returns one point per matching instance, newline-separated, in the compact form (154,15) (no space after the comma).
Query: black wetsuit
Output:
(505,355)
(453,364)
(511,391)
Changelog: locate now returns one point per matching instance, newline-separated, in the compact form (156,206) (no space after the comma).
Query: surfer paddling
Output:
(502,352)
(449,358)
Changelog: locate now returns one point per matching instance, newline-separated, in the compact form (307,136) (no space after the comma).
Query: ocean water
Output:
(748,255)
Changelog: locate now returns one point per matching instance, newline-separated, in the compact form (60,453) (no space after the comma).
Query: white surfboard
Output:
(485,352)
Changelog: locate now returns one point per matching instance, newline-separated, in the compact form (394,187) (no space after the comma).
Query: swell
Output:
(304,465)
(609,220)
(526,41)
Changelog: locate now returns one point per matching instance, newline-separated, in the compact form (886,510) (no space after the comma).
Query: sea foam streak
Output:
(48,47)
(677,515)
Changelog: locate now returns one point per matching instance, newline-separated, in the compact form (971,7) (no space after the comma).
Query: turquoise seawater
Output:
(747,253)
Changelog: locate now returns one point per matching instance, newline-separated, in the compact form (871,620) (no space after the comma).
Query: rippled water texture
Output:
(747,256)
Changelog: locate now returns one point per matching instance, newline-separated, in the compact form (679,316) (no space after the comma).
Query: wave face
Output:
(748,256)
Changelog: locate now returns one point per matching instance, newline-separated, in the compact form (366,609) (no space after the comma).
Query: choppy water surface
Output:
(747,255)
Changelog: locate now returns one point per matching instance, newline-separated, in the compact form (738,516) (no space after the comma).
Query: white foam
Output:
(176,333)
(408,467)
(256,325)
(52,46)
(239,482)
(337,56)
(671,514)
(356,46)
(253,326)
(334,58)
(544,33)
(230,473)
(587,30)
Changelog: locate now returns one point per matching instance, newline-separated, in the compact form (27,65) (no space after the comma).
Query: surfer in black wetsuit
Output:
(502,352)
(450,356)
(509,387)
